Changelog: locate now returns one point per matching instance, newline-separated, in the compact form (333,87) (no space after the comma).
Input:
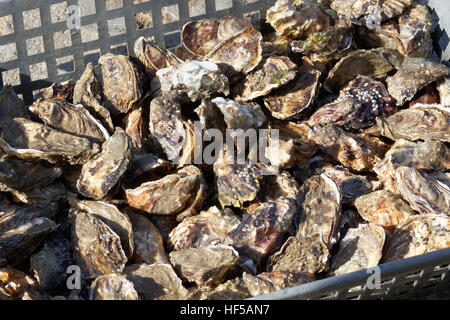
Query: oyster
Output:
(297,21)
(207,228)
(383,208)
(47,195)
(417,235)
(156,281)
(146,163)
(444,91)
(361,248)
(275,45)
(358,105)
(205,266)
(103,171)
(16,285)
(386,36)
(154,57)
(424,193)
(276,71)
(112,287)
(295,98)
(413,75)
(201,37)
(123,83)
(268,282)
(97,247)
(308,255)
(273,187)
(135,128)
(11,106)
(415,31)
(69,118)
(196,79)
(238,55)
(26,139)
(62,91)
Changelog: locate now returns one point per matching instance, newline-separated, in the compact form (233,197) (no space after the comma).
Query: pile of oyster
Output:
(101,197)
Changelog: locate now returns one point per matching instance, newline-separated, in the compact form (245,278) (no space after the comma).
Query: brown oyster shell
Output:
(112,287)
(11,106)
(415,31)
(276,71)
(275,45)
(387,36)
(383,208)
(123,82)
(144,163)
(293,99)
(16,285)
(45,195)
(268,282)
(277,186)
(30,140)
(413,75)
(361,248)
(103,171)
(417,235)
(63,91)
(135,128)
(444,91)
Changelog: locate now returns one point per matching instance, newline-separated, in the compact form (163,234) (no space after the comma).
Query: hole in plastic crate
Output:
(58,12)
(223,4)
(31,19)
(143,20)
(62,39)
(35,45)
(197,8)
(65,65)
(8,52)
(435,278)
(116,26)
(87,7)
(11,77)
(170,14)
(6,25)
(92,56)
(172,39)
(38,71)
(89,33)
(113,4)
(120,49)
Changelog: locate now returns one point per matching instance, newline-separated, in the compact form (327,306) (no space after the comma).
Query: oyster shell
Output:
(156,281)
(415,31)
(276,71)
(16,285)
(62,91)
(386,36)
(292,100)
(11,106)
(197,79)
(26,139)
(112,287)
(444,91)
(123,83)
(103,171)
(424,193)
(205,266)
(417,235)
(43,196)
(135,128)
(383,208)
(361,248)
(209,227)
(413,75)
(281,185)
(146,163)
(275,45)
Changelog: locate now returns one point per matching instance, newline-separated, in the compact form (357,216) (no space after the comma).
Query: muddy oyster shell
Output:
(11,106)
(424,193)
(420,122)
(291,100)
(209,227)
(123,82)
(197,79)
(154,57)
(103,171)
(156,281)
(201,37)
(444,91)
(276,71)
(112,287)
(383,208)
(308,255)
(238,55)
(62,91)
(30,140)
(361,248)
(97,247)
(69,118)
(419,234)
(415,31)
(205,266)
(413,75)
(297,21)
(358,105)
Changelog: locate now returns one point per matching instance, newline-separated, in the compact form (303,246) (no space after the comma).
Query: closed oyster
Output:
(276,71)
(156,281)
(62,91)
(112,287)
(97,247)
(154,57)
(292,100)
(361,248)
(444,91)
(201,37)
(69,118)
(205,266)
(46,195)
(383,208)
(123,83)
(420,122)
(181,193)
(386,36)
(413,75)
(197,79)
(275,45)
(357,63)
(277,186)
(415,31)
(209,227)
(308,255)
(424,193)
(417,235)
(11,106)
(297,21)
(103,171)
(358,105)
(16,285)
(238,55)
(26,139)
(267,282)
(320,210)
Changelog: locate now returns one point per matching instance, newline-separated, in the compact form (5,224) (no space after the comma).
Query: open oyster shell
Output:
(415,31)
(112,287)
